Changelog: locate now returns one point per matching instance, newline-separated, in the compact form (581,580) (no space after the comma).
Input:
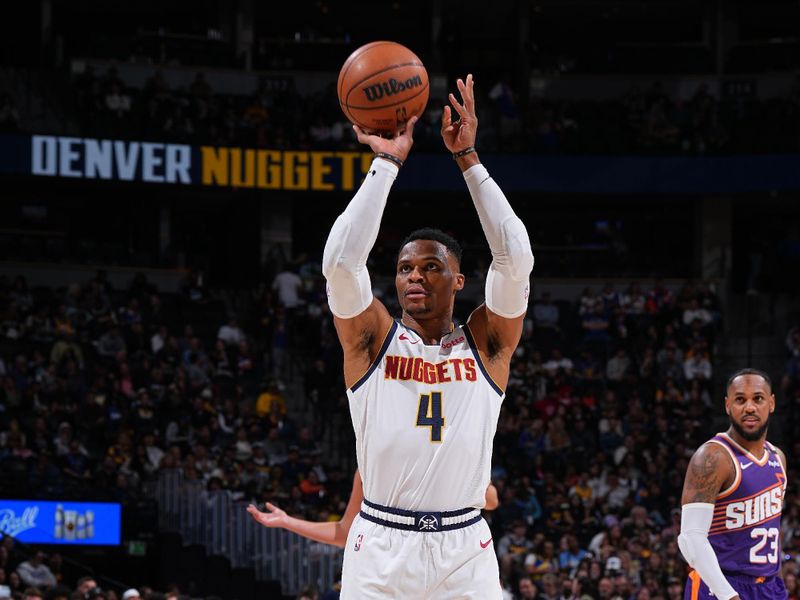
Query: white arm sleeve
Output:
(508,279)
(693,541)
(344,261)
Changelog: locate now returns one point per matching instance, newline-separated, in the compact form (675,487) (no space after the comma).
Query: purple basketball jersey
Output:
(745,531)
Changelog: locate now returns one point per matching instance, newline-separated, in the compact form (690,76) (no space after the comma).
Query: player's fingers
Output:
(462,88)
(361,135)
(270,506)
(459,109)
(446,117)
(409,130)
(469,94)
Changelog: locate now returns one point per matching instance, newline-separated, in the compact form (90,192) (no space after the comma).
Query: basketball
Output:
(381,86)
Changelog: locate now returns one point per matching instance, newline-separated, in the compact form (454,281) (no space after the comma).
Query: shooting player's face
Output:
(427,278)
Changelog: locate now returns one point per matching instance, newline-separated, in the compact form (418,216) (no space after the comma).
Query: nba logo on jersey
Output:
(357,545)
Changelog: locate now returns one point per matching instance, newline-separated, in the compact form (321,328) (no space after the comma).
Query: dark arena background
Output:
(170,171)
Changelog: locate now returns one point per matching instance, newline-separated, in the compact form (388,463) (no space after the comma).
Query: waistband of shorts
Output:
(740,578)
(423,521)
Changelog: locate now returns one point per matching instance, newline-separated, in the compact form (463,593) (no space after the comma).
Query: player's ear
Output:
(459,282)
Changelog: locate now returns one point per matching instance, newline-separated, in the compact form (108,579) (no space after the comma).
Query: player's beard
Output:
(751,436)
(417,310)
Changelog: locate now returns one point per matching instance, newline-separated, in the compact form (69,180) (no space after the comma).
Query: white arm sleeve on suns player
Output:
(693,541)
(344,261)
(512,258)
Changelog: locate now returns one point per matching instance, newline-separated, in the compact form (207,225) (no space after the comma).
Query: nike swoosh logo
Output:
(486,543)
(744,466)
(405,338)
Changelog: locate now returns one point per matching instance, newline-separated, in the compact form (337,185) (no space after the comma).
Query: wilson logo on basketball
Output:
(391,87)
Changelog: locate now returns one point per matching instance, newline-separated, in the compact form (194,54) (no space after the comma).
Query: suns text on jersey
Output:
(407,368)
(751,511)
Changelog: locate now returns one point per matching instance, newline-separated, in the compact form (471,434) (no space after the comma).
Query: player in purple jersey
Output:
(732,501)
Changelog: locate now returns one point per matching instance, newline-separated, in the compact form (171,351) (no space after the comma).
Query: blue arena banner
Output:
(336,170)
(71,523)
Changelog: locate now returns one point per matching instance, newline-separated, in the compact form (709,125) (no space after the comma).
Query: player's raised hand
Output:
(399,145)
(460,134)
(274,518)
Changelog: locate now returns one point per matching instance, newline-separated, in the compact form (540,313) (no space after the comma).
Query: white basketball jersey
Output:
(425,418)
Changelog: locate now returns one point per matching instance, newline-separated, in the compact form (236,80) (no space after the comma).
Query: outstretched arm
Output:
(361,320)
(326,532)
(709,470)
(508,279)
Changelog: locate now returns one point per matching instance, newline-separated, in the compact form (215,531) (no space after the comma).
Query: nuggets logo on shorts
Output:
(428,523)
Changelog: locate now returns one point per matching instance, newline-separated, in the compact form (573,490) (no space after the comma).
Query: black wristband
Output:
(395,159)
(463,152)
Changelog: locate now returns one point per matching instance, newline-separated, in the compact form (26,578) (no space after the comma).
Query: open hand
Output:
(460,134)
(274,518)
(399,145)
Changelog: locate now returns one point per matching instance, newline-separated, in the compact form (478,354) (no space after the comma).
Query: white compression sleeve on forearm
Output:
(344,261)
(512,258)
(693,541)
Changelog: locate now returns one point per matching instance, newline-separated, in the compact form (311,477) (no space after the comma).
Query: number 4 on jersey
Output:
(430,414)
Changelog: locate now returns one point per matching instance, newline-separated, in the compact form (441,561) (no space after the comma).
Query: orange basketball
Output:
(381,86)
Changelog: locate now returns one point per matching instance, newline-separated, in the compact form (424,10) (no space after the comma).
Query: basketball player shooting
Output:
(732,501)
(425,395)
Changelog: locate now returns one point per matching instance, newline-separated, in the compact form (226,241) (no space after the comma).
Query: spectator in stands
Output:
(289,287)
(587,302)
(111,344)
(546,313)
(696,313)
(32,593)
(118,104)
(75,464)
(542,561)
(231,333)
(527,589)
(506,113)
(558,363)
(572,554)
(697,365)
(35,573)
(513,547)
(669,364)
(618,367)
(269,398)
(595,325)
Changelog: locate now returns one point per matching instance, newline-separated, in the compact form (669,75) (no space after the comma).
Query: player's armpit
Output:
(710,470)
(495,339)
(361,338)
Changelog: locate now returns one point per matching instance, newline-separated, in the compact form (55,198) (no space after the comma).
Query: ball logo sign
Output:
(391,87)
(13,526)
(46,522)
